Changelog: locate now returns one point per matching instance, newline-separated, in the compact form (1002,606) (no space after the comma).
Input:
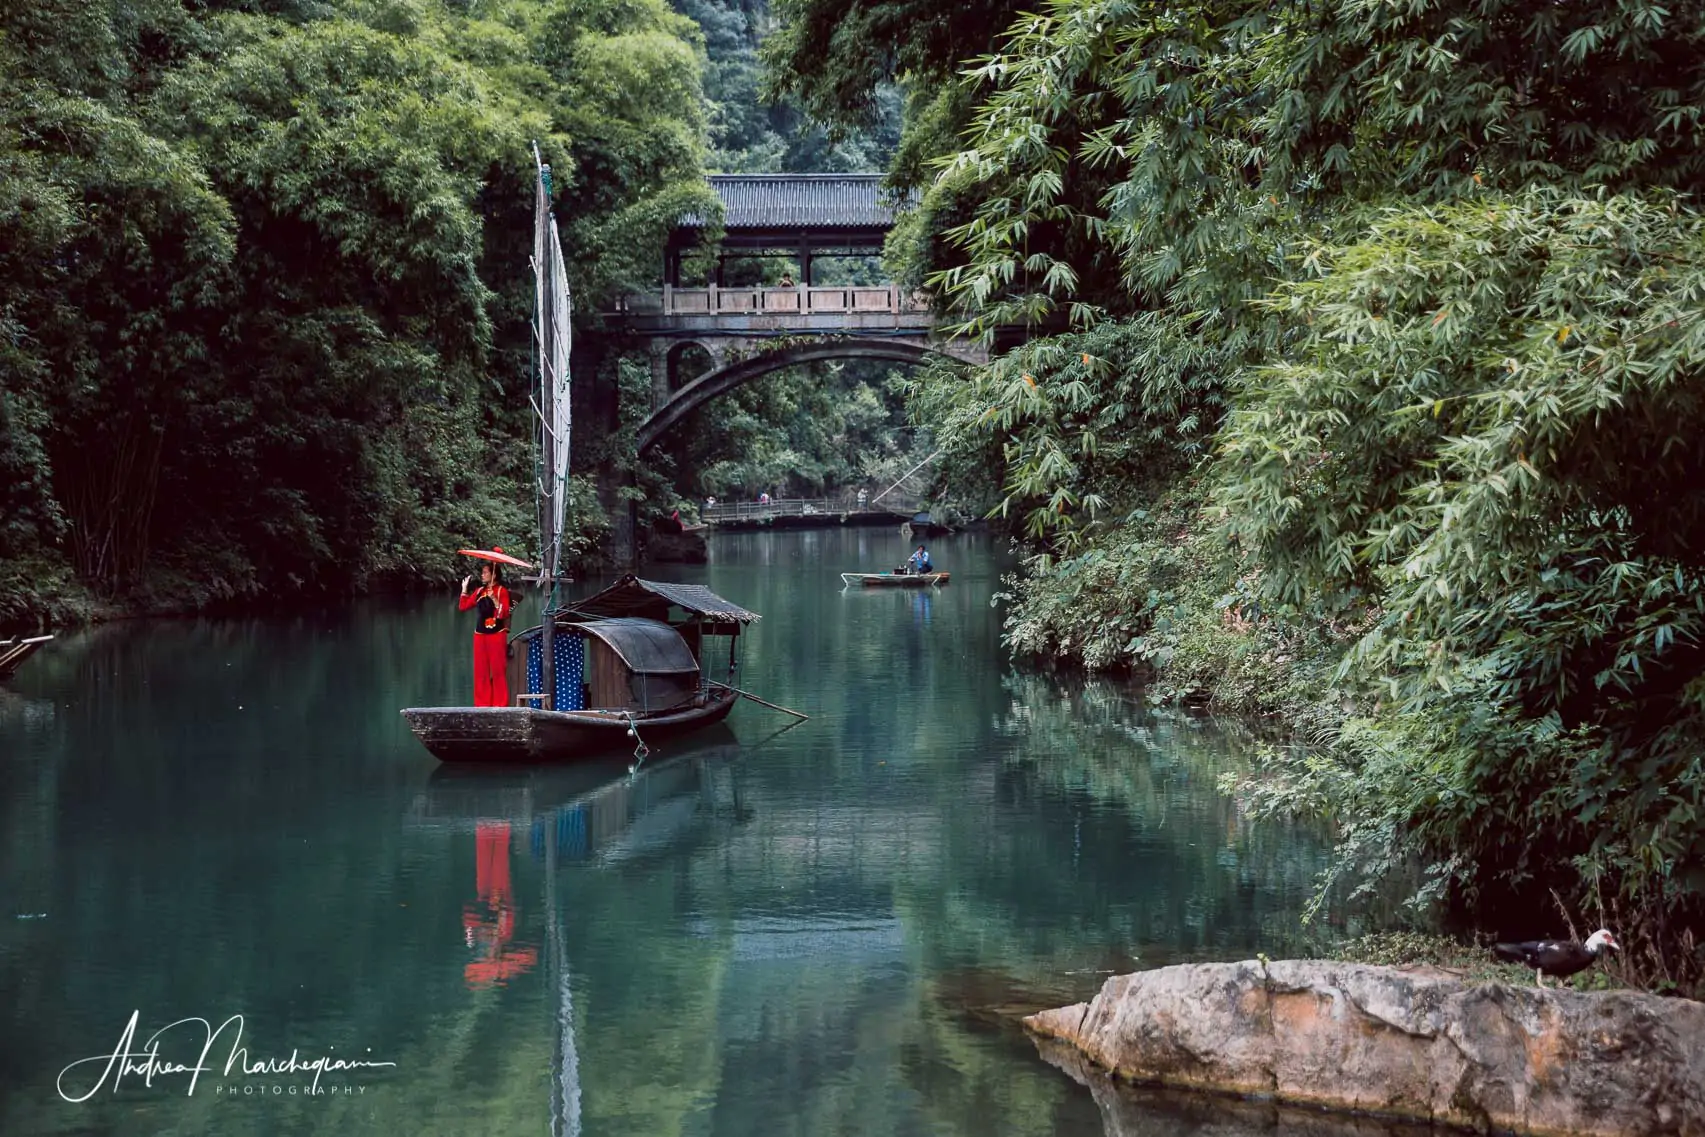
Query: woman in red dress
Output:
(491,636)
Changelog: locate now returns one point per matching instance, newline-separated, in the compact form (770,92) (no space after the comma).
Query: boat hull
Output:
(894,580)
(527,734)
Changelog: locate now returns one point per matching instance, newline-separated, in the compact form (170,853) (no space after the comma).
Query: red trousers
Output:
(491,670)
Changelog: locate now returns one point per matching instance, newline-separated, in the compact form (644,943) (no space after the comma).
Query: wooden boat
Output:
(13,652)
(894,579)
(628,671)
(528,734)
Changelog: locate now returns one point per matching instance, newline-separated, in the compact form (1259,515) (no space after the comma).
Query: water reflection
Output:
(599,819)
(1126,1110)
(489,927)
(920,606)
(830,929)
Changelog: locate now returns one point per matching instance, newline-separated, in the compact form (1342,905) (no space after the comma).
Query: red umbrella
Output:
(497,555)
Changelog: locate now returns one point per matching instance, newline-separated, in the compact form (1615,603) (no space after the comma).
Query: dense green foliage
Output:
(1075,435)
(264,283)
(266,289)
(1369,336)
(754,133)
(1490,429)
(837,57)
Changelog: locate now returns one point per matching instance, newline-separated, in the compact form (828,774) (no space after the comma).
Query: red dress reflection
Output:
(489,931)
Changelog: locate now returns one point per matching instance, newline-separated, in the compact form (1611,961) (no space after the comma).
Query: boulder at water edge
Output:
(1403,1043)
(676,548)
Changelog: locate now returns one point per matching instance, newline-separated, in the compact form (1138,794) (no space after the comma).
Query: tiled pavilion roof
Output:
(800,201)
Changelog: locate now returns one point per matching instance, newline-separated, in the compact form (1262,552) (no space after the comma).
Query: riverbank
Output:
(1163,598)
(1455,802)
(48,598)
(40,593)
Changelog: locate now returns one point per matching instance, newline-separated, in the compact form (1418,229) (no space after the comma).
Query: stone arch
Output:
(722,379)
(681,364)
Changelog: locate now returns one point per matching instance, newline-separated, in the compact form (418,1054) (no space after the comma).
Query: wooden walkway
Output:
(13,652)
(818,510)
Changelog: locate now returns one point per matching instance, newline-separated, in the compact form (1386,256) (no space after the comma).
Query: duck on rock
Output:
(1559,958)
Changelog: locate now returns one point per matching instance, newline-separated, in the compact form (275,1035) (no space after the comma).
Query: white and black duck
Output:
(1557,958)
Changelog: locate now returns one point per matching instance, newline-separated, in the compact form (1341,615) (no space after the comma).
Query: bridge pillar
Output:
(658,350)
(621,547)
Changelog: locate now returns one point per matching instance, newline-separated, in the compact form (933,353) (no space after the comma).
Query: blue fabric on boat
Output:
(571,673)
(570,670)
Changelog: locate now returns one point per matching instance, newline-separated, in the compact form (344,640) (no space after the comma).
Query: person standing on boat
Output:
(491,636)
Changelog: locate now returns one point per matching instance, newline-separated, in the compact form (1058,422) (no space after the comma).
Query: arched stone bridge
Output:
(749,332)
(735,362)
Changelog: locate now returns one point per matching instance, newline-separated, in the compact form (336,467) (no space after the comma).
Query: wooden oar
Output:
(755,699)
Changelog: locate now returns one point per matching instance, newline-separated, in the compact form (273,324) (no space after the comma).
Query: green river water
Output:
(823,931)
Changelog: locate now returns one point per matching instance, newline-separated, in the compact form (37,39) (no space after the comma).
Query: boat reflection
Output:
(572,818)
(596,812)
(597,815)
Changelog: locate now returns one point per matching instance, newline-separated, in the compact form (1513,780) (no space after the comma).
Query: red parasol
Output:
(497,555)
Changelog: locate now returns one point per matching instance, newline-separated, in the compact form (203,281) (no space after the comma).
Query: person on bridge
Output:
(919,561)
(491,636)
(764,498)
(786,280)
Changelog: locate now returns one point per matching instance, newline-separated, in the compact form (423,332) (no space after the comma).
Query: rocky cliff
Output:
(1403,1044)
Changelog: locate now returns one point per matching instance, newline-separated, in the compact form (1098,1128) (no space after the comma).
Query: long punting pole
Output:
(773,706)
(904,476)
(547,416)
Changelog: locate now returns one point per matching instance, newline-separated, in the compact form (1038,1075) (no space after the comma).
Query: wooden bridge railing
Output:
(893,505)
(800,300)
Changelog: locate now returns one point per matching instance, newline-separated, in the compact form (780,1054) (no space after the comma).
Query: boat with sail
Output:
(624,667)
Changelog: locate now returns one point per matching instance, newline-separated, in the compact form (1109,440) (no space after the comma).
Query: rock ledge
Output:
(1404,1044)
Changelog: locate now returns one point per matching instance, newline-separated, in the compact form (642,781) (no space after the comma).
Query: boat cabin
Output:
(638,646)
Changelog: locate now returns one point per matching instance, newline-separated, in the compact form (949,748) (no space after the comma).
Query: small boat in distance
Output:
(13,652)
(628,659)
(894,579)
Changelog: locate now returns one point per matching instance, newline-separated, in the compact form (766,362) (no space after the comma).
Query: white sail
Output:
(561,418)
(552,305)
